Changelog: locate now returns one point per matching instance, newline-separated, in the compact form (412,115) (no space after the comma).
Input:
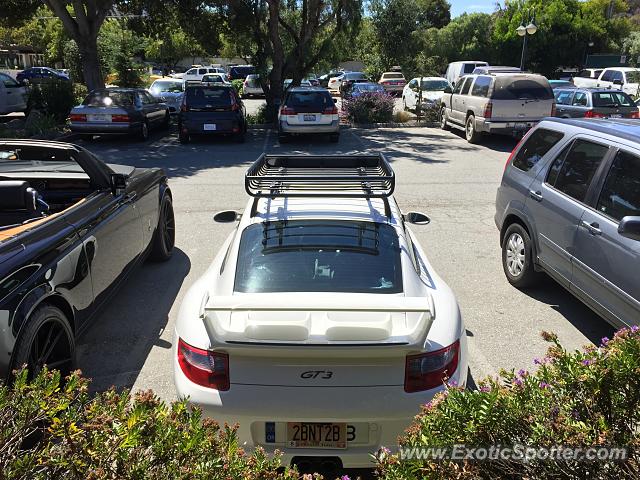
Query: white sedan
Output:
(432,91)
(320,327)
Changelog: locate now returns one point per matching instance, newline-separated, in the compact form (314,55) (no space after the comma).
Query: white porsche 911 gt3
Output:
(320,327)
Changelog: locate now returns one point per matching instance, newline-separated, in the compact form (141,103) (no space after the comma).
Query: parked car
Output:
(432,90)
(40,74)
(594,103)
(169,91)
(489,69)
(71,230)
(563,84)
(324,79)
(240,72)
(455,70)
(335,83)
(313,81)
(502,103)
(620,78)
(13,96)
(308,110)
(286,85)
(393,82)
(215,79)
(132,111)
(195,74)
(357,89)
(589,73)
(569,205)
(211,110)
(251,86)
(320,317)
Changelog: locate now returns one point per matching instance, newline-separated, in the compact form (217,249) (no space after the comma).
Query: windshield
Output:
(633,77)
(106,98)
(166,86)
(19,159)
(319,256)
(612,99)
(433,85)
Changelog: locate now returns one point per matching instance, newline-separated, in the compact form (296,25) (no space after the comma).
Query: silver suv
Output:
(569,205)
(504,103)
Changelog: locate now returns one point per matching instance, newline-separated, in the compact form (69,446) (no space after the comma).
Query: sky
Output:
(459,7)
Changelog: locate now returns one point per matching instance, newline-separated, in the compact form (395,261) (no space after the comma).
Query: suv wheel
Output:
(143,135)
(444,125)
(472,135)
(517,257)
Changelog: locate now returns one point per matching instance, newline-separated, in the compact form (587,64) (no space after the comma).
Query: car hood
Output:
(318,318)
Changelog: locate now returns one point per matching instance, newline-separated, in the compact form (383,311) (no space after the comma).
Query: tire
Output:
(470,132)
(184,138)
(167,121)
(46,329)
(334,137)
(143,134)
(517,257)
(444,125)
(165,234)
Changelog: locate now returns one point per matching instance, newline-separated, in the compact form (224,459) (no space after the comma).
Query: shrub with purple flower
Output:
(370,107)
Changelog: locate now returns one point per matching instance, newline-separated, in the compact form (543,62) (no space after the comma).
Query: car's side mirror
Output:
(448,90)
(416,218)
(118,183)
(629,227)
(226,216)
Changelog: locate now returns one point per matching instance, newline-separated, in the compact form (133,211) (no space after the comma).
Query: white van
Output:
(13,96)
(455,70)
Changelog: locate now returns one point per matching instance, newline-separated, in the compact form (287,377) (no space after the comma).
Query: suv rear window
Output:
(205,97)
(470,67)
(509,88)
(319,256)
(309,101)
(536,147)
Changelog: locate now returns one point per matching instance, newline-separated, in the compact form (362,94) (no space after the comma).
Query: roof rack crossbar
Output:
(346,176)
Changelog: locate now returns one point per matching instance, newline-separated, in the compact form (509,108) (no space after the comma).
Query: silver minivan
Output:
(502,103)
(569,205)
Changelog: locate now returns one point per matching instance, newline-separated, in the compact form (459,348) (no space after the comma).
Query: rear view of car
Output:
(393,82)
(211,110)
(251,86)
(588,103)
(308,110)
(240,72)
(13,96)
(169,91)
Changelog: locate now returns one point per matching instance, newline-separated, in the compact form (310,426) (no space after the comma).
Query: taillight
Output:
(330,110)
(78,117)
(635,114)
(488,110)
(119,118)
(287,111)
(592,114)
(553,109)
(203,367)
(428,370)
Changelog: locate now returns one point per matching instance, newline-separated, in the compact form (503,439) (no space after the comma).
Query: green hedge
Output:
(55,98)
(584,399)
(50,431)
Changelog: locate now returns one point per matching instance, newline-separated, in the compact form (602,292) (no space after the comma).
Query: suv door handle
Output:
(594,228)
(536,195)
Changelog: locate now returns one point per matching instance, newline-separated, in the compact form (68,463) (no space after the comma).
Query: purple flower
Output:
(345,477)
(485,389)
(544,385)
(453,383)
(605,340)
(522,373)
(635,329)
(537,361)
(518,382)
(586,362)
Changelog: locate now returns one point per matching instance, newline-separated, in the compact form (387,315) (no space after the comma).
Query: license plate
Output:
(209,127)
(616,115)
(99,117)
(317,435)
(309,118)
(520,126)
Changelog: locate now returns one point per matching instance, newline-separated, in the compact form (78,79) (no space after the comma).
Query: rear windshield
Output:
(106,98)
(470,67)
(208,97)
(244,71)
(508,88)
(536,147)
(167,86)
(355,76)
(612,99)
(319,256)
(311,100)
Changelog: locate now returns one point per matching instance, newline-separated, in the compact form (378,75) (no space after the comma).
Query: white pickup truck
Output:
(620,78)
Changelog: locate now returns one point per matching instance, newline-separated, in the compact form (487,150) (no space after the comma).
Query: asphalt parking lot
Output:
(438,173)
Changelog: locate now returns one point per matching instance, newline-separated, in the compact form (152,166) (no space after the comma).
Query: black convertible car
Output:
(71,230)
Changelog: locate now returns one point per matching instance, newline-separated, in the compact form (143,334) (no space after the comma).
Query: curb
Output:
(411,124)
(67,137)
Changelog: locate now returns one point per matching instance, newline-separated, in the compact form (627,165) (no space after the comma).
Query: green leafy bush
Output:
(54,98)
(369,108)
(53,430)
(584,399)
(260,116)
(80,92)
(237,84)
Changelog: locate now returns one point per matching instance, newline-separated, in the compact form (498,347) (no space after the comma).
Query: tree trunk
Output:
(274,95)
(90,63)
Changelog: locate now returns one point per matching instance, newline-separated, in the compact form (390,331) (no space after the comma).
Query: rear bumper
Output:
(223,126)
(252,91)
(105,128)
(505,128)
(333,127)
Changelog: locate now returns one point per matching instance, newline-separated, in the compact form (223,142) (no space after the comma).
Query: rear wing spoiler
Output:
(317,318)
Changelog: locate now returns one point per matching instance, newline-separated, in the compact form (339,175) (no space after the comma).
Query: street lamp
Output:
(524,32)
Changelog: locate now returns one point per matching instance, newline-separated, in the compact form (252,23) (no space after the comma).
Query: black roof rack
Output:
(345,176)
